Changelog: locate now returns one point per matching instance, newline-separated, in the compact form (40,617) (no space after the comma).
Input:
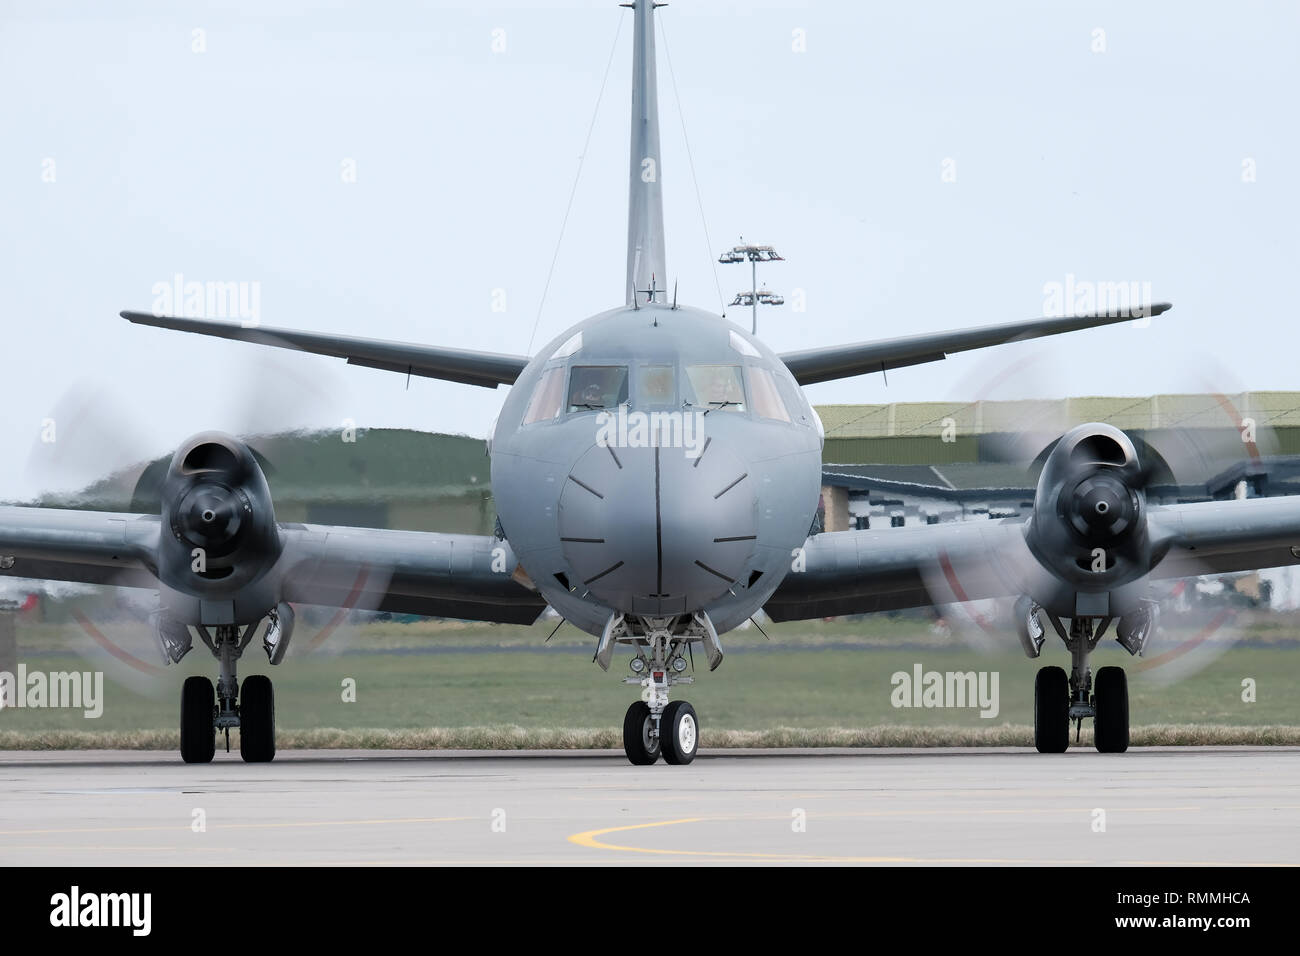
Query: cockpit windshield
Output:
(656,386)
(547,398)
(724,388)
(597,386)
(765,395)
(716,386)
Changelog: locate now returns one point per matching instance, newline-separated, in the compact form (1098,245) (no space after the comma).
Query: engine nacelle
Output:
(219,538)
(1089,527)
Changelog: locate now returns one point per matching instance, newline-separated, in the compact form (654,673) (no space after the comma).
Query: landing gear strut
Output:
(1059,699)
(206,711)
(653,727)
(1081,643)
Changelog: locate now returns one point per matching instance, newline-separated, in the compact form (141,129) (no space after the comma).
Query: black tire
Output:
(679,731)
(198,730)
(1051,711)
(642,750)
(257,719)
(1110,698)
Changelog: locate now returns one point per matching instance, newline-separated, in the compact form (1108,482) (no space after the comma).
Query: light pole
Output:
(754,254)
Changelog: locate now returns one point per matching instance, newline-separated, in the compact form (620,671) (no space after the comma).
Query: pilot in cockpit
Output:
(589,396)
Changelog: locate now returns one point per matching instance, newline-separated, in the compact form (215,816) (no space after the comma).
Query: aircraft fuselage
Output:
(656,462)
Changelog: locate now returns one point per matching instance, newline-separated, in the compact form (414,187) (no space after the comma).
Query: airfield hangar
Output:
(902,463)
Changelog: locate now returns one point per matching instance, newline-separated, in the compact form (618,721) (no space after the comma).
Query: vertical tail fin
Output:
(646,257)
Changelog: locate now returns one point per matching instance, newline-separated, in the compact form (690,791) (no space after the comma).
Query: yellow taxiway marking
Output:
(588,838)
(953,812)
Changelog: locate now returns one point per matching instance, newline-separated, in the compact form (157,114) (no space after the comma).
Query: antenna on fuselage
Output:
(650,294)
(646,256)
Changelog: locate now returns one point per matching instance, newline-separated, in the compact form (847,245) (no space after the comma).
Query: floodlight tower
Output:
(754,254)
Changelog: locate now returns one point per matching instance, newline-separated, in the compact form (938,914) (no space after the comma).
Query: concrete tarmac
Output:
(1192,806)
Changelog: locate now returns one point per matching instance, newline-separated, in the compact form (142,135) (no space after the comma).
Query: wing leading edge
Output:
(845,361)
(487,369)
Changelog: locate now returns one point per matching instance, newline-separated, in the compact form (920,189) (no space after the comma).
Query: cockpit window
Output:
(766,398)
(571,345)
(717,386)
(656,385)
(597,386)
(548,397)
(740,345)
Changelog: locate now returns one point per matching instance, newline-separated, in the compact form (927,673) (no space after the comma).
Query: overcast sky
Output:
(823,128)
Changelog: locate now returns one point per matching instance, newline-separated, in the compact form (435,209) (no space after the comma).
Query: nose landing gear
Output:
(652,726)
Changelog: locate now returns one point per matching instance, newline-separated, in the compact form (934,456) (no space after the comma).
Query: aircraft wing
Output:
(856,572)
(89,547)
(488,369)
(470,577)
(845,361)
(1226,536)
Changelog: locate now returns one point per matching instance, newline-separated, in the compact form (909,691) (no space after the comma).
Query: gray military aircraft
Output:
(656,471)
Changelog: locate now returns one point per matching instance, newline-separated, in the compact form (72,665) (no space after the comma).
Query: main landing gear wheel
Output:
(680,732)
(1052,711)
(640,737)
(1110,698)
(257,720)
(198,731)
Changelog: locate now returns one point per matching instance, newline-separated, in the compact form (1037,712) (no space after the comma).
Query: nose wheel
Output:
(641,735)
(674,734)
(680,732)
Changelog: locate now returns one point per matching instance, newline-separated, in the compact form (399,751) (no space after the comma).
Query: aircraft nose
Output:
(658,531)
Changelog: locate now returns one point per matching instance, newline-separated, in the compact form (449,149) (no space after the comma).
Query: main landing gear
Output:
(1060,699)
(207,710)
(654,727)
